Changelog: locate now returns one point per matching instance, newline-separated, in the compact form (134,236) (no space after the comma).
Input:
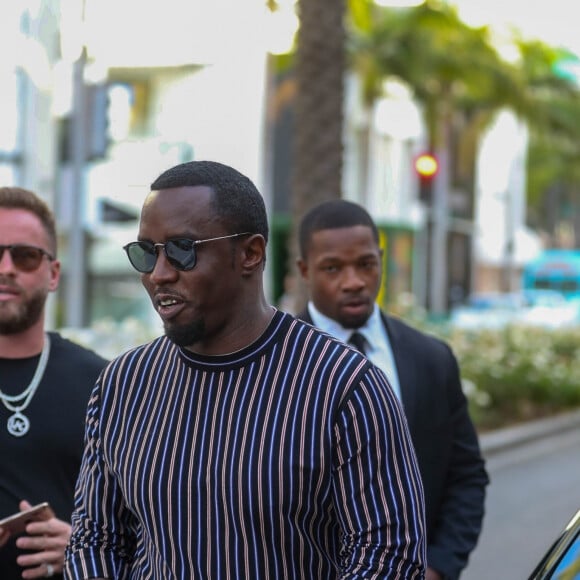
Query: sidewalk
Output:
(497,441)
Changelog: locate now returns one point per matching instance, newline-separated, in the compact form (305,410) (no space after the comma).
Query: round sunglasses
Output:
(180,252)
(25,258)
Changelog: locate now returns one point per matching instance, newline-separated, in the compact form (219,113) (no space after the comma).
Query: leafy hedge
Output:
(509,375)
(517,373)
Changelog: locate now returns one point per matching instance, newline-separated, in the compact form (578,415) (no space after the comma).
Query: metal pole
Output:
(509,245)
(76,274)
(439,227)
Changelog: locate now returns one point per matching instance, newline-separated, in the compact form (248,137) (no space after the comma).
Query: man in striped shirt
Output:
(244,443)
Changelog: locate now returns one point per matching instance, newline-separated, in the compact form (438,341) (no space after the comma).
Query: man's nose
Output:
(352,279)
(6,263)
(162,270)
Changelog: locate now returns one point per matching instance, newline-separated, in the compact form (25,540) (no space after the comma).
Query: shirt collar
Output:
(370,330)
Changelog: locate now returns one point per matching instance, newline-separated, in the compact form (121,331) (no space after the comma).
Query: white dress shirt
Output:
(378,349)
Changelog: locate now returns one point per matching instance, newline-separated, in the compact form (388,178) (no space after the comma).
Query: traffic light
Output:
(426,167)
(94,125)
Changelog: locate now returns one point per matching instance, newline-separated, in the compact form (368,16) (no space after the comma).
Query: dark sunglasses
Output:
(25,258)
(180,252)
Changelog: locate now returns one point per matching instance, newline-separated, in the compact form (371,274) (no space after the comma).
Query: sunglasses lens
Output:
(26,258)
(142,256)
(181,254)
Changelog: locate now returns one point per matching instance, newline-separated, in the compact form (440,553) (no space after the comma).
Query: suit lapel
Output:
(405,361)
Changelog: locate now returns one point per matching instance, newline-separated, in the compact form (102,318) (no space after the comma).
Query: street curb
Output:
(502,439)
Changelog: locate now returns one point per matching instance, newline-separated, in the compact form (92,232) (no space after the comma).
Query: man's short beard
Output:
(186,335)
(26,317)
(353,323)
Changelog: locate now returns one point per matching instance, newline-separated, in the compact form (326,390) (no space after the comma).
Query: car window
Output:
(562,560)
(569,566)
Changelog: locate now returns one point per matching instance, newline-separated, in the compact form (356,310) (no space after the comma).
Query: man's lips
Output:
(168,305)
(8,292)
(355,306)
(354,303)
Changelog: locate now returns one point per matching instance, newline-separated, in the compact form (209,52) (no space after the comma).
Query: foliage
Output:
(517,373)
(526,372)
(454,71)
(444,61)
(509,375)
(553,172)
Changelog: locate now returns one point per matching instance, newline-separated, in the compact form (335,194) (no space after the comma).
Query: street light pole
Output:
(76,267)
(438,241)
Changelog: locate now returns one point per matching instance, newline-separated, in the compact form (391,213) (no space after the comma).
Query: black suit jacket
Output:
(445,441)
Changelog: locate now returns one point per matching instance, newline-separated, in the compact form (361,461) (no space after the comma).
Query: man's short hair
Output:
(236,199)
(330,215)
(19,198)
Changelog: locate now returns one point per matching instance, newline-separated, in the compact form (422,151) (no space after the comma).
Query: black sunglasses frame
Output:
(149,252)
(20,260)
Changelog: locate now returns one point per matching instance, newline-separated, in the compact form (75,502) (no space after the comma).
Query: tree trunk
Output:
(318,139)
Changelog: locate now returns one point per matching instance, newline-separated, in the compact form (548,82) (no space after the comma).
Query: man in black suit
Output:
(340,261)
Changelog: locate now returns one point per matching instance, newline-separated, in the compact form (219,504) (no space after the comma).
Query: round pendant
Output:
(18,425)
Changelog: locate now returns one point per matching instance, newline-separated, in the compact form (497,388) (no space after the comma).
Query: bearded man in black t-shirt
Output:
(45,383)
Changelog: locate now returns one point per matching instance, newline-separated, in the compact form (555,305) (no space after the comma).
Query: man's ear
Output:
(54,275)
(253,254)
(302,267)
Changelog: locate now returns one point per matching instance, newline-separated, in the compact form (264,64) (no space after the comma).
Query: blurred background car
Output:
(493,310)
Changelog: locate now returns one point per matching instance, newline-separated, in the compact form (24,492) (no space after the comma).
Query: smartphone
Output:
(16,523)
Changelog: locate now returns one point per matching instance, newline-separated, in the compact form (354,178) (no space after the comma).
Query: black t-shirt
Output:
(43,464)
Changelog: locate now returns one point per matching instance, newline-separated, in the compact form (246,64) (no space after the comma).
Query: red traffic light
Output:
(426,165)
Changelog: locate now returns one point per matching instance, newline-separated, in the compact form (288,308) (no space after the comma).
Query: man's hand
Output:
(48,540)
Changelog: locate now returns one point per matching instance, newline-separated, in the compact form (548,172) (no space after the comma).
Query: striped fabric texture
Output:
(287,459)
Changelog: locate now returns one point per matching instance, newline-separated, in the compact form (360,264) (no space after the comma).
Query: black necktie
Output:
(358,341)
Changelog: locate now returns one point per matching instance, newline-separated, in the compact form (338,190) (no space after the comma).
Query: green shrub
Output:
(517,373)
(509,375)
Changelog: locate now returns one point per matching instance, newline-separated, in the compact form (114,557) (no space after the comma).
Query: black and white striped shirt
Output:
(287,459)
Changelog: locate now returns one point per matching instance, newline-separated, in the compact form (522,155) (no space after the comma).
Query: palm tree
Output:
(553,169)
(454,73)
(318,143)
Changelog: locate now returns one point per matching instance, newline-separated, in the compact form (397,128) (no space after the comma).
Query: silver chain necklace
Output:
(18,424)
